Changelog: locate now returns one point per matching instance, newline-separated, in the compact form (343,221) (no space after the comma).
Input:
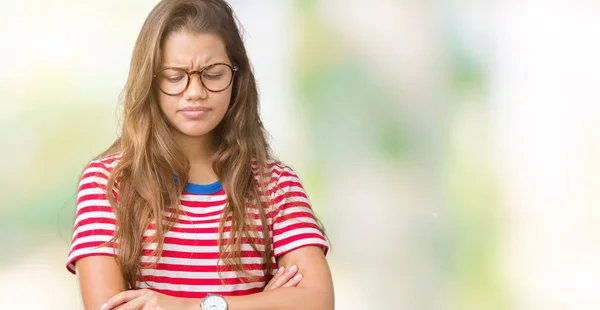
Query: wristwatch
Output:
(213,302)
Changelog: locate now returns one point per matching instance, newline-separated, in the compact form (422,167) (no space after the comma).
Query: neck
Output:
(198,150)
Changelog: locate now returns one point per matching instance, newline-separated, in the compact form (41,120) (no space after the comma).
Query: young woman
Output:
(188,209)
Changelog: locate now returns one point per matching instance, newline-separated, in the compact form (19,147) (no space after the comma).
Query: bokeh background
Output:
(451,148)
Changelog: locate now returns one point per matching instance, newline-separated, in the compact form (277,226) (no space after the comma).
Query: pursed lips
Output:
(194,112)
(198,108)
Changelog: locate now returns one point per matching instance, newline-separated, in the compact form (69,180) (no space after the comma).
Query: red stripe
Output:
(286,241)
(94,220)
(96,196)
(213,221)
(187,281)
(292,216)
(92,185)
(185,294)
(94,174)
(288,195)
(323,246)
(202,230)
(197,255)
(91,245)
(202,204)
(290,183)
(291,227)
(193,214)
(92,208)
(94,232)
(199,268)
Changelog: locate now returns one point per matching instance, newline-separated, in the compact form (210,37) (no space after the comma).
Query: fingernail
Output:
(281,269)
(293,268)
(298,277)
(103,306)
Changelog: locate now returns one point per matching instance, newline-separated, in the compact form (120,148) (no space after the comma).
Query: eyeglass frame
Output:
(234,69)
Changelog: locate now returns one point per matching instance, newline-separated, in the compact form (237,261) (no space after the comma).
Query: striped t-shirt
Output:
(188,265)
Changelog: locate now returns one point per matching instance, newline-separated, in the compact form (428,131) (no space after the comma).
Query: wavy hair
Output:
(149,151)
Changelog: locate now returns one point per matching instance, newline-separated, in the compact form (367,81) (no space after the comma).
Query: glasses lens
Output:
(217,77)
(172,81)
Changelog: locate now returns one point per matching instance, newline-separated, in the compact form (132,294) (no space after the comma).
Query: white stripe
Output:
(200,215)
(93,226)
(291,176)
(99,170)
(201,288)
(90,191)
(297,244)
(204,198)
(194,236)
(291,199)
(210,225)
(294,189)
(92,179)
(94,214)
(197,261)
(86,251)
(295,232)
(201,210)
(94,238)
(297,220)
(93,202)
(113,164)
(287,212)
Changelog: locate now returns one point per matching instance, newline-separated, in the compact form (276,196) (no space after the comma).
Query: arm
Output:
(315,290)
(297,241)
(99,278)
(93,261)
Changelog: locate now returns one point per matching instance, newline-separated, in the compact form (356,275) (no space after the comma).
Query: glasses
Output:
(215,78)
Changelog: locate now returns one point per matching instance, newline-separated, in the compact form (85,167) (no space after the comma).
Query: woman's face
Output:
(196,111)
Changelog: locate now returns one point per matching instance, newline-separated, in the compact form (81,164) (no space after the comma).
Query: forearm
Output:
(288,298)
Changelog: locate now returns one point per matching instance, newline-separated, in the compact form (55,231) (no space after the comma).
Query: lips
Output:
(194,112)
(195,109)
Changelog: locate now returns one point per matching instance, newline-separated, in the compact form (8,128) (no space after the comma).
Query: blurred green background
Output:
(450,147)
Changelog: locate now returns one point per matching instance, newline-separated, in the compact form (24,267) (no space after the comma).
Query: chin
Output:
(195,132)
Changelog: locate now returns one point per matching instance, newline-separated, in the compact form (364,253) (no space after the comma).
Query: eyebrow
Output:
(188,68)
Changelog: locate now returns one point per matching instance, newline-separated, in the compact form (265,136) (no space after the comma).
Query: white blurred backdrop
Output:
(450,148)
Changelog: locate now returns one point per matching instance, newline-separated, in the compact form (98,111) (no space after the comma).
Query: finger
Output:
(277,275)
(121,298)
(293,281)
(134,304)
(283,278)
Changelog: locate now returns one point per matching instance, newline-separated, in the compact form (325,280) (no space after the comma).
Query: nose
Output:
(195,89)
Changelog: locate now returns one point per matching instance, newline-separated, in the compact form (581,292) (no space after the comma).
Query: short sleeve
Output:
(294,223)
(94,219)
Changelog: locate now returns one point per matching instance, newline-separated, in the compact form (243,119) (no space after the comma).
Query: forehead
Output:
(191,49)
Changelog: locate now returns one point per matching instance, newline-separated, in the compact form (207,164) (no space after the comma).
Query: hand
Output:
(284,278)
(143,299)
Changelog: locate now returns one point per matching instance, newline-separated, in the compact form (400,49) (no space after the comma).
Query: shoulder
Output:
(102,166)
(278,174)
(97,172)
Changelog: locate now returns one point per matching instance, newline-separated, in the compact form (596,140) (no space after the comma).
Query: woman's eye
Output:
(175,79)
(212,76)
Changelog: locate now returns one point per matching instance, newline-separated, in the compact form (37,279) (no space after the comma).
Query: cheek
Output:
(225,101)
(163,102)
(168,105)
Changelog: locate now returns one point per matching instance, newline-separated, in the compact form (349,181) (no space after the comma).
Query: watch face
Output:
(214,302)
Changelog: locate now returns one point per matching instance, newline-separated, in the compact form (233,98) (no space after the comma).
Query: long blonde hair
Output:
(151,158)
